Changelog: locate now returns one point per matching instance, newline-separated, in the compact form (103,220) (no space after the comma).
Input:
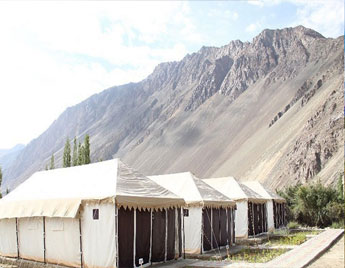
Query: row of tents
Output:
(109,215)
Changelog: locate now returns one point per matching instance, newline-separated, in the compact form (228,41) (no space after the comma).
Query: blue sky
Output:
(56,54)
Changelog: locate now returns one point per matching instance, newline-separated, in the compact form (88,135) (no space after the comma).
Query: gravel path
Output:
(333,258)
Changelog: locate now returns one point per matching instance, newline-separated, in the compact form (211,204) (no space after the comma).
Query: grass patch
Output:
(256,255)
(295,239)
(292,239)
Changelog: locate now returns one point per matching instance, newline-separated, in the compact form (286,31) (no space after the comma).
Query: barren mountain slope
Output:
(244,109)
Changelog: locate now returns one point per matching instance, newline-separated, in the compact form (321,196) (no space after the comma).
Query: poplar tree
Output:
(67,154)
(75,152)
(52,164)
(80,154)
(87,150)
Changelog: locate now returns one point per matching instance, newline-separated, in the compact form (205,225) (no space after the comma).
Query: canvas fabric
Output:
(193,190)
(31,246)
(60,192)
(98,236)
(62,241)
(192,225)
(8,241)
(241,219)
(234,190)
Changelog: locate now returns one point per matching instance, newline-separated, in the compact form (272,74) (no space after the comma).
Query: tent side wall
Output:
(98,235)
(241,219)
(30,237)
(192,225)
(270,217)
(62,241)
(8,241)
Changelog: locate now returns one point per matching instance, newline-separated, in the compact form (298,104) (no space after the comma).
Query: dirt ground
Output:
(333,258)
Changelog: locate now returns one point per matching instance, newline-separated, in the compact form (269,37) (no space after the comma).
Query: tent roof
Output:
(60,192)
(231,188)
(193,190)
(263,191)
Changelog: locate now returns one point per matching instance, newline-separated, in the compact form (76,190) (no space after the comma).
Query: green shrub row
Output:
(315,204)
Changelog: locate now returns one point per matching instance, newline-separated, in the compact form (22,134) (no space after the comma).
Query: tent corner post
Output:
(184,239)
(81,244)
(44,240)
(116,236)
(17,237)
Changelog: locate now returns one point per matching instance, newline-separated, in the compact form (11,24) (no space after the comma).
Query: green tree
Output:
(0,181)
(80,154)
(314,204)
(67,154)
(340,188)
(75,152)
(52,162)
(87,150)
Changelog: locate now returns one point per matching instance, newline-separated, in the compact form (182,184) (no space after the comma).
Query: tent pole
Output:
(211,228)
(184,240)
(17,238)
(233,220)
(44,240)
(81,245)
(166,234)
(227,225)
(135,234)
(150,257)
(202,232)
(116,237)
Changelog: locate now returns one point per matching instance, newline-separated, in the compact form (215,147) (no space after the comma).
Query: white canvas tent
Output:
(247,202)
(96,215)
(273,201)
(210,223)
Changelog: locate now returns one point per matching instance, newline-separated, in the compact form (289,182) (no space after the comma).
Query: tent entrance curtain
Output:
(230,226)
(279,214)
(257,218)
(223,227)
(179,233)
(171,234)
(206,220)
(250,219)
(264,213)
(233,220)
(158,236)
(215,228)
(142,244)
(125,237)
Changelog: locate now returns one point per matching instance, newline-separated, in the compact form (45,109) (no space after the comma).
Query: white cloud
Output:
(257,2)
(326,17)
(56,54)
(253,27)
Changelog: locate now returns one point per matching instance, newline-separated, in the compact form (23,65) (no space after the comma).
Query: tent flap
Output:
(64,208)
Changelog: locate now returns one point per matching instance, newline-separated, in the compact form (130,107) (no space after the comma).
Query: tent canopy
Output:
(231,188)
(60,192)
(193,190)
(263,191)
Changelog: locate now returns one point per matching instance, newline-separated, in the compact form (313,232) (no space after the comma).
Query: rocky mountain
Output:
(7,156)
(269,110)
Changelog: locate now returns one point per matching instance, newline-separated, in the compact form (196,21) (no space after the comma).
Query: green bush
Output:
(293,225)
(338,225)
(314,204)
